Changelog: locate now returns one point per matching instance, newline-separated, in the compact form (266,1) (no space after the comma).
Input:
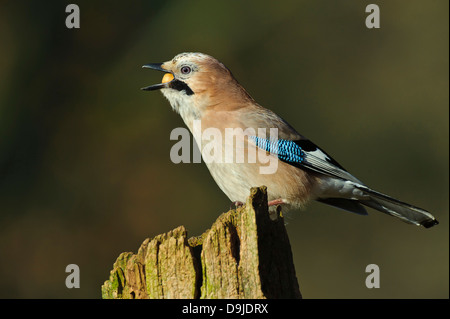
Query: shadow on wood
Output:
(245,254)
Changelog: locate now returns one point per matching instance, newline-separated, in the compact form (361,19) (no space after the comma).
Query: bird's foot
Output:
(275,208)
(276,202)
(236,204)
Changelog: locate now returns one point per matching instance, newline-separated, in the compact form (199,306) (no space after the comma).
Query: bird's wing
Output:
(304,154)
(290,146)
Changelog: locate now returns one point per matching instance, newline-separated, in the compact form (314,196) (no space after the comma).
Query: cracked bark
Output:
(245,254)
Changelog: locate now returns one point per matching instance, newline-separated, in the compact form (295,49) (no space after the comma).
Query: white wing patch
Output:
(319,154)
(321,162)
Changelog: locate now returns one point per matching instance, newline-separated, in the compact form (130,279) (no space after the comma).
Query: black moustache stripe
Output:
(181,86)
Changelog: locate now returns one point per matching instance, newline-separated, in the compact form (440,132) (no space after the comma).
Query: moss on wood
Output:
(245,254)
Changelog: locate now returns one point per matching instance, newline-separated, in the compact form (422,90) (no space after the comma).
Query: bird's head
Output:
(196,82)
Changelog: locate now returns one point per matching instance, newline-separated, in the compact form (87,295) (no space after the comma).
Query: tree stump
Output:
(245,254)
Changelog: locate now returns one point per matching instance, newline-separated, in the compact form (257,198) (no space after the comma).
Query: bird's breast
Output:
(237,164)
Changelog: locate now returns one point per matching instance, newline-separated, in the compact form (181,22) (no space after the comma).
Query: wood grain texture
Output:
(245,254)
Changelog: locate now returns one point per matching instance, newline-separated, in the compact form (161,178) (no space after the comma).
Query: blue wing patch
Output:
(287,151)
(304,154)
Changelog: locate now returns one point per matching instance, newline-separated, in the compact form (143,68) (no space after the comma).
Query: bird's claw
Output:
(236,204)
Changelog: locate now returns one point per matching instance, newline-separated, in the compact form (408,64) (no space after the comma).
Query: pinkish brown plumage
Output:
(205,94)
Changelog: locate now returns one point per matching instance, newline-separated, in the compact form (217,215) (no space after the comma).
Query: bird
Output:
(207,96)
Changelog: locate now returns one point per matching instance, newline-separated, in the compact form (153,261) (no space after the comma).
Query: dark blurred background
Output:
(85,172)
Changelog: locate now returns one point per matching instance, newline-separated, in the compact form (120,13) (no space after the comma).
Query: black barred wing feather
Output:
(304,154)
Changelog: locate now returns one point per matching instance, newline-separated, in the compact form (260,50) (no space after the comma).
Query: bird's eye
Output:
(185,69)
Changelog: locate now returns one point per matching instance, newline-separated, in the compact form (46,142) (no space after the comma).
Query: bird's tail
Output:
(391,206)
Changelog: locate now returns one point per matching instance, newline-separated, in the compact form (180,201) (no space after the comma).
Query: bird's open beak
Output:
(167,78)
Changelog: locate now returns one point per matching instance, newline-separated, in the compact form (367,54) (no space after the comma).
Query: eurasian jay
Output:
(210,101)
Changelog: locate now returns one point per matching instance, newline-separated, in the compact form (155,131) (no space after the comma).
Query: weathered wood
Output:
(245,254)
